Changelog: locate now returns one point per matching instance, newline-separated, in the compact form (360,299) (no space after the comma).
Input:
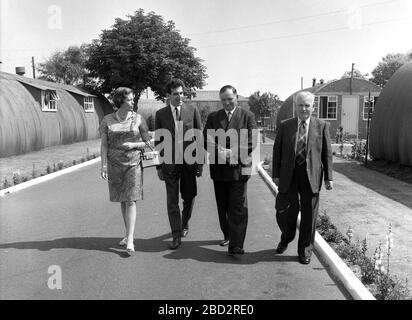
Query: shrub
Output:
(82,160)
(49,169)
(382,284)
(17,179)
(6,183)
(74,162)
(60,165)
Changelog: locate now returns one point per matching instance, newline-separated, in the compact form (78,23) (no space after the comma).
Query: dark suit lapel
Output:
(293,132)
(170,120)
(222,119)
(311,134)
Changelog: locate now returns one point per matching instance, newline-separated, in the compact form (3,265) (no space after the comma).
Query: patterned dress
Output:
(124,167)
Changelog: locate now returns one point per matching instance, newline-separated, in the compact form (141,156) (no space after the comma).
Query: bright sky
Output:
(265,45)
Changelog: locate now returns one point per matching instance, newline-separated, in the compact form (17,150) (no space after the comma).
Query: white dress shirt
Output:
(231,113)
(174,112)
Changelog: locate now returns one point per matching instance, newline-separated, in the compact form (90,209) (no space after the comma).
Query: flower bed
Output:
(374,273)
(18,178)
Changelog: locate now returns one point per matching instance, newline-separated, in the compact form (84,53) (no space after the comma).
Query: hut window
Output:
(88,104)
(328,107)
(366,106)
(49,100)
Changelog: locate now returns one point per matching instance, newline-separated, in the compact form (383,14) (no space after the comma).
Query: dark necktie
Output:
(301,146)
(229,116)
(177,114)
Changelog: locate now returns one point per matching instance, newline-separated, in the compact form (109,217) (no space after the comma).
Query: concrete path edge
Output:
(349,280)
(47,177)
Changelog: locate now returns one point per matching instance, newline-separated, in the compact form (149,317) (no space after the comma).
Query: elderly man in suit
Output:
(229,139)
(302,156)
(177,119)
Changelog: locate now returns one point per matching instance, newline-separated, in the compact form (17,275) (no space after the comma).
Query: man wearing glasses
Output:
(228,139)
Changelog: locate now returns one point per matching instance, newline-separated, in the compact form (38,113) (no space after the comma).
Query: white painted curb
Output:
(352,284)
(47,177)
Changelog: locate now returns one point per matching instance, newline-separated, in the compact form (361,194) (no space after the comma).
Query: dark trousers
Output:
(300,195)
(231,200)
(184,179)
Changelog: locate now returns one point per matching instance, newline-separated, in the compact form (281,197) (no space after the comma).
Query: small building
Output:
(391,126)
(210,99)
(35,114)
(342,102)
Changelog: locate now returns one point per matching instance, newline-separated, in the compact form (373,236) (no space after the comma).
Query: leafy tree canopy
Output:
(388,66)
(356,74)
(68,66)
(144,51)
(264,105)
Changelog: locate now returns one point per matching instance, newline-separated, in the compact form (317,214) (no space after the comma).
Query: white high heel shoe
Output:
(130,250)
(123,243)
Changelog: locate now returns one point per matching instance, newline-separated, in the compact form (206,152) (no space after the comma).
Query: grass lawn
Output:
(23,164)
(397,171)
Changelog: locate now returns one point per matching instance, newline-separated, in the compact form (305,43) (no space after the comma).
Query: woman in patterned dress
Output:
(124,134)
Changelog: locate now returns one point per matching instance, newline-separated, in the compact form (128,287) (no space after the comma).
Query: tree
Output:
(204,113)
(144,51)
(356,74)
(68,66)
(388,66)
(264,105)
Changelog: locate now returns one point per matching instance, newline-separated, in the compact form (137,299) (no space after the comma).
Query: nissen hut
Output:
(35,114)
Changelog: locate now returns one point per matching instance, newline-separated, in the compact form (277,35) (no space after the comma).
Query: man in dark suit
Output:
(176,119)
(302,155)
(230,166)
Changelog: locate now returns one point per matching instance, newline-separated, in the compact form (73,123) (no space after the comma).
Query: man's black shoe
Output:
(236,250)
(175,243)
(281,247)
(304,260)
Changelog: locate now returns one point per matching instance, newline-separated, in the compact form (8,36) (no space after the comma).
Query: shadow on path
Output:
(91,243)
(396,190)
(194,250)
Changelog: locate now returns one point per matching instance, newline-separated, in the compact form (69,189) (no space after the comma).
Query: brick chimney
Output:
(313,82)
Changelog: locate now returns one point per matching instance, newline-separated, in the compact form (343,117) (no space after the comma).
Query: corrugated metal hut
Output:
(35,114)
(391,127)
(341,102)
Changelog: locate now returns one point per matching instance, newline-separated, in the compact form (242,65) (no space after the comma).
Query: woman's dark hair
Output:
(120,95)
(228,87)
(173,84)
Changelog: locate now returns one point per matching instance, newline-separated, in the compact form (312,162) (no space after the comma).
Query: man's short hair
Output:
(173,84)
(228,87)
(305,94)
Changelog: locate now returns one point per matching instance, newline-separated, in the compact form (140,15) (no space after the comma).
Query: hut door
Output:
(350,114)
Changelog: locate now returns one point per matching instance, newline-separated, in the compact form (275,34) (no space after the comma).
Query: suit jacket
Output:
(241,119)
(190,117)
(318,153)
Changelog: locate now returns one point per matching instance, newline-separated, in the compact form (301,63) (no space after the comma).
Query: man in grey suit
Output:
(302,156)
(177,119)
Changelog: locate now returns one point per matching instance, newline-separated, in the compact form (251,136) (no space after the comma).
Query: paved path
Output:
(69,222)
(368,201)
